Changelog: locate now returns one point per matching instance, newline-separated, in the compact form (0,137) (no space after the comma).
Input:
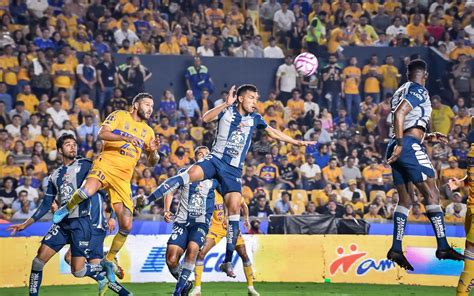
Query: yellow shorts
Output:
(217,233)
(117,185)
(469,225)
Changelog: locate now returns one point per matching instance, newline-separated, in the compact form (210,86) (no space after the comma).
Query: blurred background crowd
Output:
(58,75)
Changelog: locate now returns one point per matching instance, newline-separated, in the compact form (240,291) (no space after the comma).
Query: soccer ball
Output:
(306,63)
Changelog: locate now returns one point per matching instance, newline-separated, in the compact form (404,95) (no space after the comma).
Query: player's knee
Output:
(79,273)
(125,229)
(171,260)
(37,264)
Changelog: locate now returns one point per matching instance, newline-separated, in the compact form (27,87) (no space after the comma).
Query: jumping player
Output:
(236,120)
(75,230)
(125,135)
(411,111)
(100,225)
(217,231)
(190,226)
(466,280)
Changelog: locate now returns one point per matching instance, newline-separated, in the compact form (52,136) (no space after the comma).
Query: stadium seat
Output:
(298,207)
(299,195)
(276,194)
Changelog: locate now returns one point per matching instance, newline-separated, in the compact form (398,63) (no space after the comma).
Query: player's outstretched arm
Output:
(399,118)
(245,212)
(167,202)
(152,151)
(280,136)
(212,114)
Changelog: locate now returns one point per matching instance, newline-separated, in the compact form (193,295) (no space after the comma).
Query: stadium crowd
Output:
(57,75)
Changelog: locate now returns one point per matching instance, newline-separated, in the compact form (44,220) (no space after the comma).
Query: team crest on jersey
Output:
(127,126)
(143,133)
(236,142)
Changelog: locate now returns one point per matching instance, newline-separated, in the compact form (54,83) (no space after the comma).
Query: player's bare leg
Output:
(431,194)
(233,201)
(43,255)
(193,174)
(198,270)
(184,286)
(247,269)
(400,216)
(88,189)
(125,219)
(173,254)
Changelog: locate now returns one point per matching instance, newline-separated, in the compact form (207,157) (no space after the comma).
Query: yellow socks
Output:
(248,273)
(77,197)
(198,273)
(117,244)
(466,281)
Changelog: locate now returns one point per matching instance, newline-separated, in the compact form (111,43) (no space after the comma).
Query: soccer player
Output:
(100,225)
(466,279)
(190,226)
(411,111)
(125,135)
(75,230)
(217,231)
(236,120)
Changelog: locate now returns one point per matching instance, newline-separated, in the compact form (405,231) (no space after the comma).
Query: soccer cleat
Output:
(252,291)
(187,288)
(60,214)
(118,270)
(109,267)
(450,254)
(196,291)
(103,286)
(228,269)
(400,259)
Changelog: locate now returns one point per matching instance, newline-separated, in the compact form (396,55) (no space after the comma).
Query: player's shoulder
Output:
(117,114)
(83,160)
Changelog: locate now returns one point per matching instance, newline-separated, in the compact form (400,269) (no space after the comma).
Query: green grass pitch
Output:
(231,289)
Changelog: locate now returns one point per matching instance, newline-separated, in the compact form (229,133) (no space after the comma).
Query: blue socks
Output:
(399,224)
(169,186)
(36,276)
(90,270)
(232,235)
(436,217)
(183,277)
(118,289)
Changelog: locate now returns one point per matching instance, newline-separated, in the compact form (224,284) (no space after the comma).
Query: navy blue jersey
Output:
(234,134)
(61,185)
(196,202)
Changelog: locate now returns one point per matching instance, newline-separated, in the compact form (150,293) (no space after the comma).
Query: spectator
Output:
(416,29)
(272,50)
(107,76)
(380,21)
(267,13)
(453,171)
(311,174)
(57,114)
(416,215)
(257,47)
(168,105)
(215,14)
(456,198)
(244,51)
(40,75)
(5,97)
(286,80)
(170,46)
(460,80)
(372,215)
(182,141)
(189,107)
(22,198)
(283,206)
(351,76)
(14,127)
(20,110)
(350,171)
(8,193)
(198,78)
(332,173)
(396,28)
(442,117)
(390,76)
(32,192)
(125,33)
(283,21)
(10,169)
(331,208)
(457,215)
(134,77)
(348,192)
(34,128)
(44,42)
(332,84)
(249,179)
(310,209)
(289,174)
(206,50)
(87,128)
(24,213)
(254,227)
(295,105)
(349,212)
(63,75)
(261,209)
(84,103)
(311,109)
(372,76)
(316,31)
(29,99)
(268,172)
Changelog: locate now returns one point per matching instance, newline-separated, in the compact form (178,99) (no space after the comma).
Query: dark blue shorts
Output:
(191,232)
(413,165)
(97,244)
(229,177)
(77,232)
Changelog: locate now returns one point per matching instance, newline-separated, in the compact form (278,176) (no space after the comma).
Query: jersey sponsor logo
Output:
(155,261)
(417,95)
(236,142)
(354,258)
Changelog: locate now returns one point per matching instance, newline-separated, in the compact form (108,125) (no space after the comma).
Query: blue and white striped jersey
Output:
(234,134)
(196,202)
(419,99)
(97,212)
(61,185)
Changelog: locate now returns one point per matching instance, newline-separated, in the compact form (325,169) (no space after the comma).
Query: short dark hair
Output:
(23,191)
(199,148)
(245,88)
(19,103)
(416,65)
(140,97)
(63,138)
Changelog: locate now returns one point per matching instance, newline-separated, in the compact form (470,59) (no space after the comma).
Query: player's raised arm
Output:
(280,136)
(43,208)
(399,118)
(152,152)
(213,114)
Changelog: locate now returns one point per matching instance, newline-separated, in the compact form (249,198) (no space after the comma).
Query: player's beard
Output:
(142,114)
(70,155)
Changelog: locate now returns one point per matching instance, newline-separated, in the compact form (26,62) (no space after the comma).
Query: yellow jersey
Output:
(470,176)
(218,215)
(120,155)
